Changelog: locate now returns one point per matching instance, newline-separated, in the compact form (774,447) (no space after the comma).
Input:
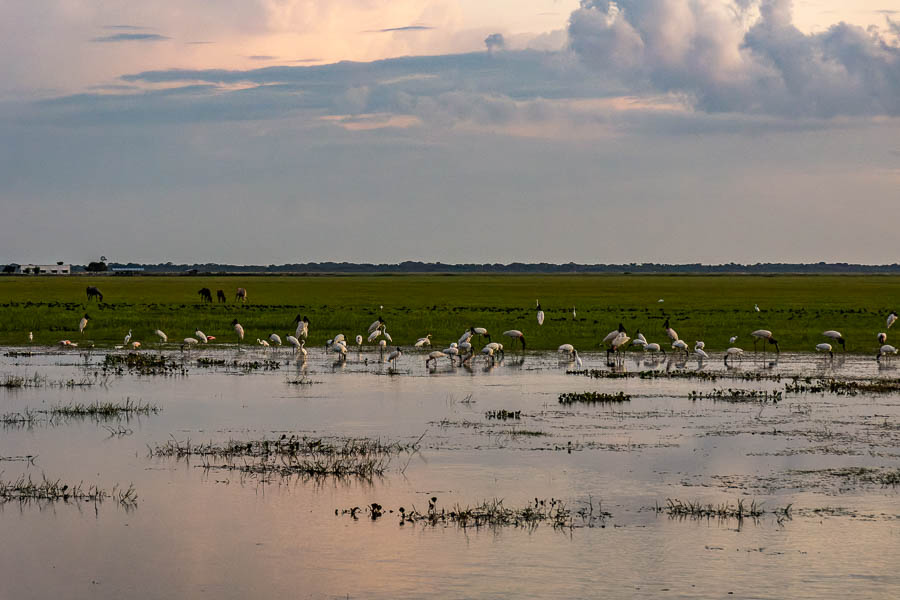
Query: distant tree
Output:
(9,269)
(59,262)
(96,267)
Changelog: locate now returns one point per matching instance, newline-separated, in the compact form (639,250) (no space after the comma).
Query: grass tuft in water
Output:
(25,490)
(593,398)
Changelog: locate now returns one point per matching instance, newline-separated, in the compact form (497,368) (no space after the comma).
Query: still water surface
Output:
(222,534)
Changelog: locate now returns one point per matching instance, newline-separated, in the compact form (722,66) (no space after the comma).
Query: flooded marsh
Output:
(234,473)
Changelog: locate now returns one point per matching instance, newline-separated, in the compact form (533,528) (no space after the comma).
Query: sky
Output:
(283,131)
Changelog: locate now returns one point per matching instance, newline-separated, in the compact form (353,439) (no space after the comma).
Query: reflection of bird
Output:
(83,323)
(836,336)
(891,318)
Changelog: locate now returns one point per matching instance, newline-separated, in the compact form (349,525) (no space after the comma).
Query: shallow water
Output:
(226,534)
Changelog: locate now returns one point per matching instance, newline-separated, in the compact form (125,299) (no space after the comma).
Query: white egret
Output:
(127,338)
(891,319)
(83,323)
(239,330)
(756,307)
(374,335)
(262,343)
(302,327)
(540,313)
(732,340)
(161,335)
(30,336)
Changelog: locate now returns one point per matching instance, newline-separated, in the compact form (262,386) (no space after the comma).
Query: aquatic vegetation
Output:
(698,510)
(593,397)
(103,409)
(26,490)
(286,446)
(503,414)
(490,513)
(737,395)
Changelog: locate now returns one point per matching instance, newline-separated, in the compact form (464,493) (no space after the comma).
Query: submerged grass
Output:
(489,513)
(99,411)
(25,490)
(594,398)
(710,308)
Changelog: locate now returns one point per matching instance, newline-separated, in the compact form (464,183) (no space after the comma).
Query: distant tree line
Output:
(516,267)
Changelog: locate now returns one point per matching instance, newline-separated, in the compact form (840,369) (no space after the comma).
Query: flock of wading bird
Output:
(463,351)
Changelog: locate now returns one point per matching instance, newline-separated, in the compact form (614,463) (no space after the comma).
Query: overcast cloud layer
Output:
(638,130)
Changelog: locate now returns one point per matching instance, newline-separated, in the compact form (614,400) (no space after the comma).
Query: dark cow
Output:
(205,295)
(93,292)
(241,295)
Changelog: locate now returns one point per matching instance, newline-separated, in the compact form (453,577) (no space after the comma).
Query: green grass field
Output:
(710,308)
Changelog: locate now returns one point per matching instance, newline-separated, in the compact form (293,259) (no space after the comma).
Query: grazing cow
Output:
(220,295)
(241,295)
(205,295)
(93,292)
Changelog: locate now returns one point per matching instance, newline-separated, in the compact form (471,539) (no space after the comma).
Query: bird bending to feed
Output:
(540,313)
(891,319)
(825,348)
(393,356)
(376,324)
(426,341)
(161,335)
(836,336)
(882,338)
(202,336)
(262,343)
(886,349)
(238,330)
(680,345)
(669,331)
(732,339)
(639,339)
(374,334)
(275,339)
(654,348)
(293,341)
(433,356)
(620,340)
(699,345)
(733,353)
(516,335)
(571,351)
(83,323)
(480,331)
(700,354)
(189,341)
(766,336)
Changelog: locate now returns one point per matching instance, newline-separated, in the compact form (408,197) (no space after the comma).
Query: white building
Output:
(44,269)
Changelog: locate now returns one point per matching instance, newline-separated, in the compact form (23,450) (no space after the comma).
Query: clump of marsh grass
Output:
(490,513)
(25,490)
(593,398)
(104,409)
(737,395)
(739,510)
(287,446)
(503,415)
